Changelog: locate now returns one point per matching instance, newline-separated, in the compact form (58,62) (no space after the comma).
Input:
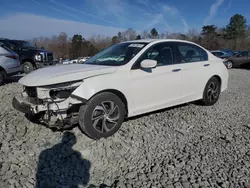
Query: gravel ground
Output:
(186,146)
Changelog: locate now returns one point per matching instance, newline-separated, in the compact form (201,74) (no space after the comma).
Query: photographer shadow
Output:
(61,166)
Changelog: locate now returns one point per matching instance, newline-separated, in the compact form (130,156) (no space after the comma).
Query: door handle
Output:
(176,70)
(206,65)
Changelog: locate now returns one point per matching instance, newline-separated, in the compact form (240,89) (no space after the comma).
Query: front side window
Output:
(116,55)
(188,53)
(162,53)
(27,45)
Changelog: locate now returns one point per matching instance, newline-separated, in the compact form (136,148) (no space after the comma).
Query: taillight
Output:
(12,56)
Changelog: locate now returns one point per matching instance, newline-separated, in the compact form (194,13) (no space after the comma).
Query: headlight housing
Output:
(61,93)
(38,57)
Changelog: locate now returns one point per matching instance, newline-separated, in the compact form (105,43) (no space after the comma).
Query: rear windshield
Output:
(5,47)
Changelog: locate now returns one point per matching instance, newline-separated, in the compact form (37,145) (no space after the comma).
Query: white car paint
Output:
(61,74)
(144,91)
(7,63)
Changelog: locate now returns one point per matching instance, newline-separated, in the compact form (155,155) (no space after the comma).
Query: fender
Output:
(93,85)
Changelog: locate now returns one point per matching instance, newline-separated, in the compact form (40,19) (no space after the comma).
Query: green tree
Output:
(183,37)
(114,40)
(209,36)
(138,37)
(154,33)
(236,27)
(209,30)
(76,46)
(119,36)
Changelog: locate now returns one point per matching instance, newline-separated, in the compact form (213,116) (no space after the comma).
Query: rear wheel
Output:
(2,77)
(211,92)
(27,67)
(102,116)
(230,64)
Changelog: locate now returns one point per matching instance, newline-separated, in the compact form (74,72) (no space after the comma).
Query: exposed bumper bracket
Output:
(21,106)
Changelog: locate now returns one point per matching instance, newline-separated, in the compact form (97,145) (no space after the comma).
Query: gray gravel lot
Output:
(186,146)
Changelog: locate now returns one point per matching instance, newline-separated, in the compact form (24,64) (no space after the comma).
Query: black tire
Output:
(211,92)
(27,67)
(2,77)
(94,106)
(230,65)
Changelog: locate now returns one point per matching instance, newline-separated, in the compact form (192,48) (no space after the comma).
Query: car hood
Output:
(64,73)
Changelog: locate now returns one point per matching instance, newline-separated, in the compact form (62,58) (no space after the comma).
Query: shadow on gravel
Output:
(61,166)
(13,79)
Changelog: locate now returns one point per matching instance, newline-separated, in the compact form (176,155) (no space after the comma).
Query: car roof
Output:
(160,40)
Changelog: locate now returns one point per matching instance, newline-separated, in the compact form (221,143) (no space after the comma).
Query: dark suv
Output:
(30,56)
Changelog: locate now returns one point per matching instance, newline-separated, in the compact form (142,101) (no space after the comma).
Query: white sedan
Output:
(99,94)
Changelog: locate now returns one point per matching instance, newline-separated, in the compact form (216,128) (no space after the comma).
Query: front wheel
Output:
(102,116)
(211,92)
(230,64)
(27,67)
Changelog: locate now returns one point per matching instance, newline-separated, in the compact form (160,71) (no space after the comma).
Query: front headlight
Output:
(38,57)
(64,90)
(61,94)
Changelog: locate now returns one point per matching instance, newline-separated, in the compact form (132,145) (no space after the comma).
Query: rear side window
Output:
(189,53)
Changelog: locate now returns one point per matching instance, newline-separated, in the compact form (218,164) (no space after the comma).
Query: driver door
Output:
(158,87)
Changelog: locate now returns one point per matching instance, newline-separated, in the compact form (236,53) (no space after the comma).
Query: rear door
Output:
(195,68)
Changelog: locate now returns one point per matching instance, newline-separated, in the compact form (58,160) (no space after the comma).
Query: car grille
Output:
(47,57)
(31,91)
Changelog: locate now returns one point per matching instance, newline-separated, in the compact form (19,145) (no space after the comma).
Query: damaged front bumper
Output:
(21,105)
(54,114)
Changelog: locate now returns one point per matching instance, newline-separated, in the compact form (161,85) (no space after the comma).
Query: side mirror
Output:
(148,64)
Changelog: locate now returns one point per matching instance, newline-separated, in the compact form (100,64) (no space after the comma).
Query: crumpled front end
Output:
(54,105)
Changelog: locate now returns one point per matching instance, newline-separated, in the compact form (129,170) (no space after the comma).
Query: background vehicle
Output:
(82,59)
(9,63)
(30,56)
(124,80)
(218,53)
(238,60)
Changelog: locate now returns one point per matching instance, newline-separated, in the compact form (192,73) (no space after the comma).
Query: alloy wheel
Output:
(229,65)
(213,91)
(26,68)
(105,116)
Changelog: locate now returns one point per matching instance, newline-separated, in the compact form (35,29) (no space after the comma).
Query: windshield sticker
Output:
(136,45)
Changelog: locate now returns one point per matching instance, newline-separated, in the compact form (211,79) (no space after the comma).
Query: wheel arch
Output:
(2,69)
(27,60)
(218,77)
(116,92)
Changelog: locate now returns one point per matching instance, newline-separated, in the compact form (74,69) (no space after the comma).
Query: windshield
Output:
(26,44)
(116,55)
